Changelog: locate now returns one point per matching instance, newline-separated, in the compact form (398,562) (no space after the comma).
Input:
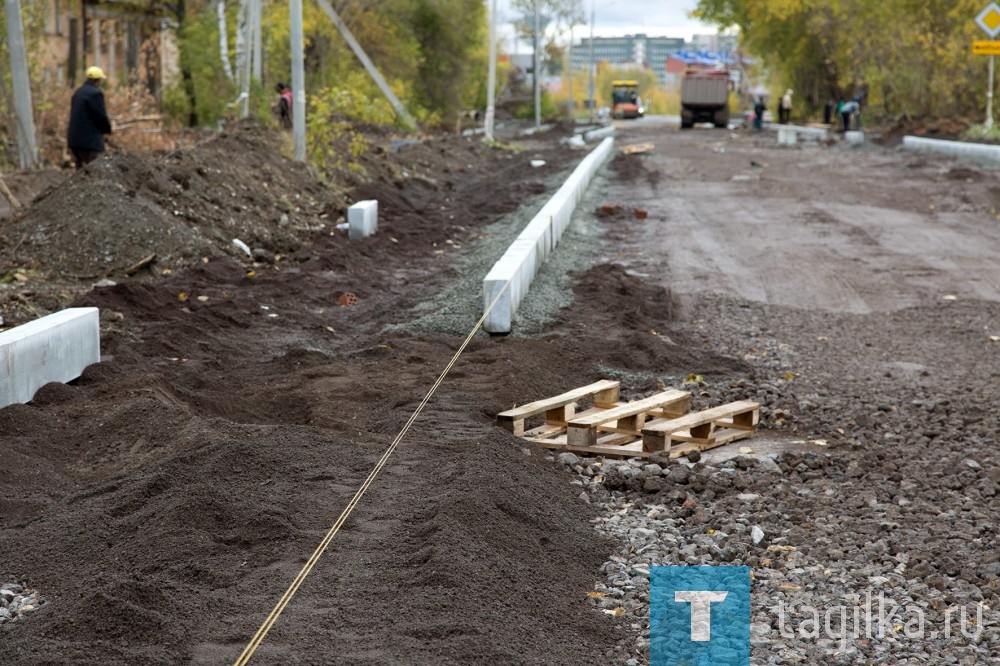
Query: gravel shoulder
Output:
(859,288)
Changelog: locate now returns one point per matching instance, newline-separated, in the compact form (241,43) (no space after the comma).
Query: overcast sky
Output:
(613,18)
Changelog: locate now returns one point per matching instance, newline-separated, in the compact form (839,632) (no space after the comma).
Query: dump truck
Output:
(625,100)
(705,97)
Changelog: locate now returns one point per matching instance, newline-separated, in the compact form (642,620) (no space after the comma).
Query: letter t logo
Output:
(701,611)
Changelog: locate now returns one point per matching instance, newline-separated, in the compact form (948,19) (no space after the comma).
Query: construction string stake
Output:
(269,621)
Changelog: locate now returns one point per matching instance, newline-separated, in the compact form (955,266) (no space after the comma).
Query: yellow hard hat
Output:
(95,72)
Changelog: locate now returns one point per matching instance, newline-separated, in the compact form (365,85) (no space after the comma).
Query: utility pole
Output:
(988,124)
(593,100)
(257,40)
(22,87)
(491,78)
(569,71)
(538,89)
(298,81)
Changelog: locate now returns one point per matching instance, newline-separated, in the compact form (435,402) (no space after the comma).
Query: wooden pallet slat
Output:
(561,407)
(707,428)
(628,418)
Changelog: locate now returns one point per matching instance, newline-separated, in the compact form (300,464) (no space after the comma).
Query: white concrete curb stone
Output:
(976,151)
(596,134)
(55,348)
(362,219)
(787,136)
(854,138)
(525,256)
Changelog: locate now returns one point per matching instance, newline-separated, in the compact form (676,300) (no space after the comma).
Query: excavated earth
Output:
(162,503)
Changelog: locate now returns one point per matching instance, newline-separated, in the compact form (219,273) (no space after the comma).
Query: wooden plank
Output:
(582,429)
(720,437)
(637,148)
(702,426)
(633,450)
(629,409)
(694,419)
(605,392)
(544,432)
(676,451)
(673,410)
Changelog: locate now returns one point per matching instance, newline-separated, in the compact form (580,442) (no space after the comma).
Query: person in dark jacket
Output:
(283,105)
(88,119)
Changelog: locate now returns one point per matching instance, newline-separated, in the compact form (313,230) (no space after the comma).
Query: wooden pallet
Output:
(629,429)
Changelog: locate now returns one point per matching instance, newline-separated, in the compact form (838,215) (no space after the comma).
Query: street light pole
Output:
(593,101)
(538,90)
(569,72)
(989,99)
(491,78)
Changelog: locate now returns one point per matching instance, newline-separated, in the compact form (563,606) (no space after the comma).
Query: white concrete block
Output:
(854,138)
(362,219)
(55,348)
(787,136)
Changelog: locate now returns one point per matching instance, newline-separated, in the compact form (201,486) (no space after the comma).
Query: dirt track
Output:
(164,501)
(844,230)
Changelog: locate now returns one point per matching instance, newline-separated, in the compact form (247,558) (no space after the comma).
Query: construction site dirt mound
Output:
(162,503)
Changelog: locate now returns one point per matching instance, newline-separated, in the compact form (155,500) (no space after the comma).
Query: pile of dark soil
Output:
(163,502)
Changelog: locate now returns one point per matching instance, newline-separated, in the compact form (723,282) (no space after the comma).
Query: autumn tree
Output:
(912,58)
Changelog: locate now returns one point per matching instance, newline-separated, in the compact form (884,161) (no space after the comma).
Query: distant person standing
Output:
(758,112)
(828,111)
(283,105)
(88,119)
(785,108)
(850,110)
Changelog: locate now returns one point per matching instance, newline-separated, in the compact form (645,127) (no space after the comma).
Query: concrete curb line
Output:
(976,151)
(525,256)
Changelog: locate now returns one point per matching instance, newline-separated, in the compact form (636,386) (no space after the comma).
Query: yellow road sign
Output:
(985,47)
(989,19)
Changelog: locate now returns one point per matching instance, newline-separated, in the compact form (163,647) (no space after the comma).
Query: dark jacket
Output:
(88,120)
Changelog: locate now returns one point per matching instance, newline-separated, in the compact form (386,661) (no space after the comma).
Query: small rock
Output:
(693,456)
(653,469)
(568,459)
(654,484)
(768,464)
(756,534)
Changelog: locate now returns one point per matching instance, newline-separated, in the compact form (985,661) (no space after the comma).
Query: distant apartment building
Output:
(632,50)
(724,44)
(662,55)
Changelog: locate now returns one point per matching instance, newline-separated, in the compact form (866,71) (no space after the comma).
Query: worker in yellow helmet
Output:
(88,119)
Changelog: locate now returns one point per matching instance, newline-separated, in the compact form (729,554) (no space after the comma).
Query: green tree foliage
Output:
(451,39)
(431,52)
(913,57)
(206,94)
